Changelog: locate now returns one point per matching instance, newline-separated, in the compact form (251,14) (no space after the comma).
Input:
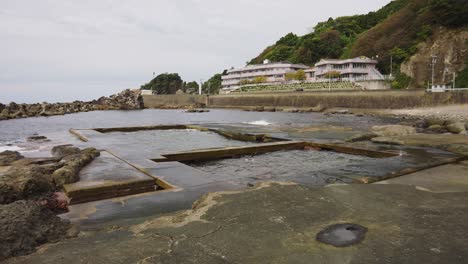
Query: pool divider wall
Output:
(111,190)
(224,133)
(229,152)
(220,153)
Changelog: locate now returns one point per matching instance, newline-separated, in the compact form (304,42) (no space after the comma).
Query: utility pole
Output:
(391,66)
(200,87)
(434,61)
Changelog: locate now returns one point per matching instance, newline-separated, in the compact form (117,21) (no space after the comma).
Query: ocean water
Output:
(14,132)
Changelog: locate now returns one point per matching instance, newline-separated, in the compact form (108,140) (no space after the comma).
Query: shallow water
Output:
(15,131)
(314,167)
(171,141)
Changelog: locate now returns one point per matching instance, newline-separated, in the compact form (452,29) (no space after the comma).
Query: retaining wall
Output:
(388,99)
(173,100)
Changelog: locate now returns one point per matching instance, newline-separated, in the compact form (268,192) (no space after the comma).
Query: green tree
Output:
(332,74)
(191,87)
(462,77)
(213,85)
(289,76)
(450,13)
(300,75)
(166,83)
(260,79)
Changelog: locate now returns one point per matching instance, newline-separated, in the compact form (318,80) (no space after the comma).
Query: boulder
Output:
(8,157)
(25,182)
(387,140)
(318,108)
(64,150)
(69,173)
(24,225)
(393,130)
(435,129)
(431,121)
(361,137)
(461,149)
(339,111)
(37,138)
(456,128)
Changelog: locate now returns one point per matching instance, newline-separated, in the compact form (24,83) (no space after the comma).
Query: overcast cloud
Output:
(63,50)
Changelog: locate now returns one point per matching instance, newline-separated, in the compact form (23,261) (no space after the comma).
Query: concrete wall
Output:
(173,100)
(374,85)
(383,99)
(389,99)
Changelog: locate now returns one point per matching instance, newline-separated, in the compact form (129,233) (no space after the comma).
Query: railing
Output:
(443,89)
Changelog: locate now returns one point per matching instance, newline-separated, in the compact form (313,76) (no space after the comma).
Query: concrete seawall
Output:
(173,100)
(390,99)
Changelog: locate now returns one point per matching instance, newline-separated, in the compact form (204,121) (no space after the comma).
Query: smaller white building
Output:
(272,72)
(146,92)
(357,69)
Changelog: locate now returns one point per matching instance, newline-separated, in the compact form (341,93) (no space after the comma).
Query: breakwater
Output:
(125,100)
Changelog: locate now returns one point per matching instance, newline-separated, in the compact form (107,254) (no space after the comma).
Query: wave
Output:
(259,123)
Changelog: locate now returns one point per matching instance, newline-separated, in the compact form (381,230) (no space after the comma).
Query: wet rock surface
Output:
(31,178)
(393,130)
(126,100)
(8,157)
(361,137)
(278,223)
(29,199)
(24,225)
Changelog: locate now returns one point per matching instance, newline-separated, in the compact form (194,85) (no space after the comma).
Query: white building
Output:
(361,68)
(357,69)
(273,72)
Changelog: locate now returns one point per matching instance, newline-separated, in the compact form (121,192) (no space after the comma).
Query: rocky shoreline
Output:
(31,197)
(125,100)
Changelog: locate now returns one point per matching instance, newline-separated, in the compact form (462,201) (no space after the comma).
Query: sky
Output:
(66,50)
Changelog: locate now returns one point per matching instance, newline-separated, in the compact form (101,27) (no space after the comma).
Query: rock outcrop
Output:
(450,47)
(30,197)
(126,100)
(32,178)
(8,157)
(26,224)
(393,130)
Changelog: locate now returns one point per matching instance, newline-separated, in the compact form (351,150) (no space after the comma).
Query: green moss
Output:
(462,78)
(401,81)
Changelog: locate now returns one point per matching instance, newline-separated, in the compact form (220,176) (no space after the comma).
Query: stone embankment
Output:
(126,100)
(30,197)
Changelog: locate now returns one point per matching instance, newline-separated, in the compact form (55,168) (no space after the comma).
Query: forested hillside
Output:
(394,30)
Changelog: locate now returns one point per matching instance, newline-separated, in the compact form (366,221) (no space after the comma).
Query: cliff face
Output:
(451,48)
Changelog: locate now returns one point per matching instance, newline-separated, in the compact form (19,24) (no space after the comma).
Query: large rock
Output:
(456,128)
(387,140)
(64,150)
(69,173)
(24,225)
(393,130)
(436,129)
(25,182)
(8,157)
(361,137)
(33,178)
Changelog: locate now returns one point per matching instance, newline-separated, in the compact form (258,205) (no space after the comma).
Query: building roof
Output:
(269,65)
(361,59)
